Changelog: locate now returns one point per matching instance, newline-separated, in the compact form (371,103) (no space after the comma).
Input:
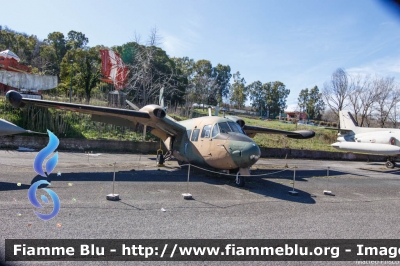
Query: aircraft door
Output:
(205,142)
(212,147)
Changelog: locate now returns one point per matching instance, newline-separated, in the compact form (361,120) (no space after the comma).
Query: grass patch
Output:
(76,125)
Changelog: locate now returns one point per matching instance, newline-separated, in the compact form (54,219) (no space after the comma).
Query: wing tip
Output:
(302,134)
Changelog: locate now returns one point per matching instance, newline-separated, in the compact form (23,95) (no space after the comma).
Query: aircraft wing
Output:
(151,115)
(251,131)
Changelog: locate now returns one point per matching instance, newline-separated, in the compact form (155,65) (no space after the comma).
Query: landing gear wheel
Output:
(160,159)
(239,180)
(390,164)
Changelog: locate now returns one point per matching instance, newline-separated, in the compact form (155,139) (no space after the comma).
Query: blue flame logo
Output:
(46,151)
(35,202)
(50,165)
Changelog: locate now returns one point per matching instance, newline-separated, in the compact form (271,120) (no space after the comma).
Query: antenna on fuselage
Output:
(209,111)
(223,110)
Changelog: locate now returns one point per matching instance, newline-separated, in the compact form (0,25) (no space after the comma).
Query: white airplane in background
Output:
(368,140)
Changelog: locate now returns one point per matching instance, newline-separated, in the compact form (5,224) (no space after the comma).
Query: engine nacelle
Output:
(15,99)
(154,110)
(382,137)
(237,120)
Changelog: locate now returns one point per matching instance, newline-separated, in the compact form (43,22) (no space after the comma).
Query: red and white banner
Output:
(113,68)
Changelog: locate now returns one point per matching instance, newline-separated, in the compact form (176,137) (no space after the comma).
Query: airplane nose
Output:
(252,152)
(248,155)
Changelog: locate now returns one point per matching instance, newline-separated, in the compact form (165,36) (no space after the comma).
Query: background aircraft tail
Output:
(347,121)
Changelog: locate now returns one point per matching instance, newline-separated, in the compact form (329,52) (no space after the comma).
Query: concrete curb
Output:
(38,142)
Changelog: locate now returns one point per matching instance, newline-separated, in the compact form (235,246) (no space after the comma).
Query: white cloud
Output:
(174,46)
(381,67)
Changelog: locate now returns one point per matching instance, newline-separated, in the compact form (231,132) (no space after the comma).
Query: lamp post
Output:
(70,87)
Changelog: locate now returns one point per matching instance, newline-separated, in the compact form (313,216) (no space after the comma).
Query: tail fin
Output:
(347,121)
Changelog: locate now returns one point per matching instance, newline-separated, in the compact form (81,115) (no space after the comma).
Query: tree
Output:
(223,77)
(85,69)
(76,40)
(388,95)
(337,91)
(269,97)
(150,71)
(239,91)
(185,71)
(53,51)
(311,102)
(276,95)
(257,95)
(303,100)
(7,40)
(205,82)
(362,98)
(316,105)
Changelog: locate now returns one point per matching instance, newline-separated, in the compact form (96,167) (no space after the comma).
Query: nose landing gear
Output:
(240,179)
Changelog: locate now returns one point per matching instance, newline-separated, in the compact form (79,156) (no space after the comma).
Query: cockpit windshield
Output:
(226,127)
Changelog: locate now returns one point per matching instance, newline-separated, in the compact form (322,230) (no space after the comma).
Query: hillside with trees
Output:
(185,81)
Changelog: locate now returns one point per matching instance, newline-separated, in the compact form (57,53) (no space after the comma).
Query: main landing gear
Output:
(390,163)
(163,158)
(160,159)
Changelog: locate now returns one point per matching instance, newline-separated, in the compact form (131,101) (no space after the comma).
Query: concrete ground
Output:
(365,204)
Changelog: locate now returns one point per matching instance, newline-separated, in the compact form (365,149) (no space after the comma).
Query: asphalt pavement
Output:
(364,203)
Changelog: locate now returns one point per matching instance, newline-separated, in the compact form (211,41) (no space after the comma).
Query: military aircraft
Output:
(380,141)
(219,142)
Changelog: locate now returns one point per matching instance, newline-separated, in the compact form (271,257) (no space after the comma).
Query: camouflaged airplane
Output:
(222,143)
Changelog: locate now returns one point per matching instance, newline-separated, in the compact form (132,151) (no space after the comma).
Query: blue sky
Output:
(297,42)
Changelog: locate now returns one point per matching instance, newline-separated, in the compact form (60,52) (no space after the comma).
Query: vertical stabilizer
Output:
(347,121)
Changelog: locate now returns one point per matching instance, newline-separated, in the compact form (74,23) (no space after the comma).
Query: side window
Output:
(206,131)
(195,135)
(215,131)
(189,131)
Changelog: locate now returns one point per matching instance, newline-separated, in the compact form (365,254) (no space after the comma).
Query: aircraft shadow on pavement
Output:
(384,171)
(301,175)
(253,184)
(6,186)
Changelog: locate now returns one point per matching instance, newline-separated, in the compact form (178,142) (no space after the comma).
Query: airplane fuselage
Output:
(216,142)
(382,141)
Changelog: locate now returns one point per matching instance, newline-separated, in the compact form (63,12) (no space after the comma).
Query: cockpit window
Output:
(226,127)
(206,131)
(215,131)
(189,131)
(235,127)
